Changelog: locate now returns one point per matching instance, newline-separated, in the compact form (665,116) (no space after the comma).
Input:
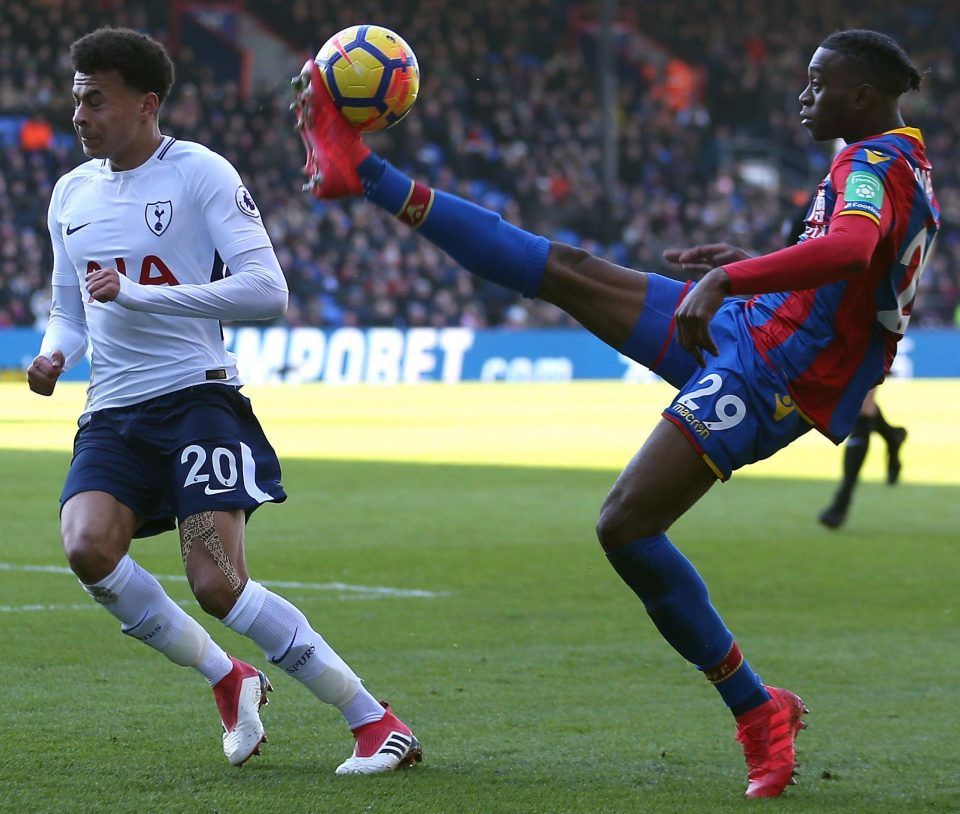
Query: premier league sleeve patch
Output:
(245,202)
(863,194)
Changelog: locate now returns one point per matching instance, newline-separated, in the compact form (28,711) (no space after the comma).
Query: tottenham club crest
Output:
(158,216)
(245,202)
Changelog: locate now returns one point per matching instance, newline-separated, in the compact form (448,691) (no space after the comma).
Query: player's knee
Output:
(624,520)
(90,557)
(214,594)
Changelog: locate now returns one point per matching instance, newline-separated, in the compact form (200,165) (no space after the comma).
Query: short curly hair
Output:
(882,58)
(142,62)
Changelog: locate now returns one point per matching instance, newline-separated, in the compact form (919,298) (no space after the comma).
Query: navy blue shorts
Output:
(734,411)
(167,458)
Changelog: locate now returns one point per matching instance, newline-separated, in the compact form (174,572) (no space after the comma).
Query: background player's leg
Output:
(854,454)
(644,502)
(894,437)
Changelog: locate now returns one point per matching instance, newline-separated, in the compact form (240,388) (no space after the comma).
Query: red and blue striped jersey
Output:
(833,343)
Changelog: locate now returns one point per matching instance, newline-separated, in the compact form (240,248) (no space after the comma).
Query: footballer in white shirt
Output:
(155,241)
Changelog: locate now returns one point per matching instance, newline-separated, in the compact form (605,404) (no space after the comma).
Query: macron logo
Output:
(72,229)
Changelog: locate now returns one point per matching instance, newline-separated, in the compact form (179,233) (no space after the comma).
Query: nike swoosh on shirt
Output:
(208,491)
(72,229)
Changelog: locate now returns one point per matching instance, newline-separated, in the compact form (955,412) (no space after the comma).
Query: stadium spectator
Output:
(36,133)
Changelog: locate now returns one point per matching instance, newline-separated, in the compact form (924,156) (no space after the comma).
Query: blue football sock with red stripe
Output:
(652,341)
(675,596)
(477,238)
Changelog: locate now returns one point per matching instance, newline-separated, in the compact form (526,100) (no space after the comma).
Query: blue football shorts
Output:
(194,450)
(734,411)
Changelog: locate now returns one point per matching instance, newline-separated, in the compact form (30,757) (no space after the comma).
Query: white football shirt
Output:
(176,220)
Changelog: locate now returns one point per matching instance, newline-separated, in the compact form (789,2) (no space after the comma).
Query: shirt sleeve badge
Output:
(245,202)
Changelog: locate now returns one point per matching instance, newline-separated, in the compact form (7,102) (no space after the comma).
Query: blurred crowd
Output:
(510,115)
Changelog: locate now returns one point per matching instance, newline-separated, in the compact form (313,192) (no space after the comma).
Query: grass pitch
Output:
(441,538)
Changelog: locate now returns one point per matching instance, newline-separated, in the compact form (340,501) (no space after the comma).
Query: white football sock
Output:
(146,613)
(289,642)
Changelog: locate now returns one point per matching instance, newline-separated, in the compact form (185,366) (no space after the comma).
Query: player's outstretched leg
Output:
(605,298)
(338,164)
(382,741)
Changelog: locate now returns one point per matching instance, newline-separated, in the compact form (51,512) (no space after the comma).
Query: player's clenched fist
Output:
(43,373)
(103,285)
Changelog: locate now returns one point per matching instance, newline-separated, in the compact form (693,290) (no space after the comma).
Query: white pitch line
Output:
(19,608)
(183,603)
(356,591)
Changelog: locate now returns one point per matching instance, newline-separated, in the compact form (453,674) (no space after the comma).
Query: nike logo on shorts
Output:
(72,229)
(208,491)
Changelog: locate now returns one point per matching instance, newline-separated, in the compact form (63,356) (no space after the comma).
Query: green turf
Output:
(534,679)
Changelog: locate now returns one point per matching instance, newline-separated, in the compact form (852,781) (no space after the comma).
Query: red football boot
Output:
(334,148)
(767,735)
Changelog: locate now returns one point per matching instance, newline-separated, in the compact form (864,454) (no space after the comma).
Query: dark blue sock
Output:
(477,238)
(652,342)
(675,596)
